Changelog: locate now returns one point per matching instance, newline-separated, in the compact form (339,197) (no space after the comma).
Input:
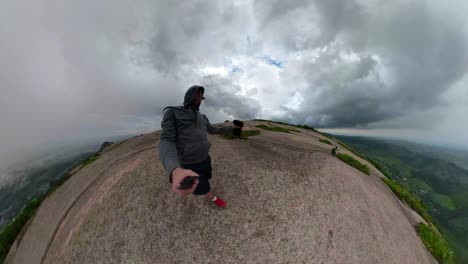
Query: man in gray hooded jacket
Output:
(184,145)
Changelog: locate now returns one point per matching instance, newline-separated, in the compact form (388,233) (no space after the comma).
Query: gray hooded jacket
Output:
(184,136)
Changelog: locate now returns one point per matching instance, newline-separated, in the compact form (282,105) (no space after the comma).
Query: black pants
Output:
(204,170)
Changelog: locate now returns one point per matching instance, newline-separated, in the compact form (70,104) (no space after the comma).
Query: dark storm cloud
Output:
(75,70)
(420,52)
(196,32)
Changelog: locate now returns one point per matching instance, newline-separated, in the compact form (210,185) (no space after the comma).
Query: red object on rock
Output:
(220,202)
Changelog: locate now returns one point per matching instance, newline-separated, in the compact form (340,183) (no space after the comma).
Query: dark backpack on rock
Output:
(237,131)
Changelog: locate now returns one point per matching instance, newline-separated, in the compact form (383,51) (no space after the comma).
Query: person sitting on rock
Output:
(334,150)
(184,146)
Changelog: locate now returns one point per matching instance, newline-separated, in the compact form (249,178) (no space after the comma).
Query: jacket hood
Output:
(190,94)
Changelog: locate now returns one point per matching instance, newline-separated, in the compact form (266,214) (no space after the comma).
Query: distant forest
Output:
(30,184)
(433,175)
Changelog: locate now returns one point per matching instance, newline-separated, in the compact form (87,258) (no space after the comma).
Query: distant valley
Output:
(30,182)
(438,176)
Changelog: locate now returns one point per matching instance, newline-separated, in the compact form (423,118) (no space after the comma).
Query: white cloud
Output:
(74,70)
(222,71)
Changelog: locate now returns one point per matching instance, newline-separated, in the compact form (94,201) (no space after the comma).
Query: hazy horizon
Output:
(84,71)
(414,136)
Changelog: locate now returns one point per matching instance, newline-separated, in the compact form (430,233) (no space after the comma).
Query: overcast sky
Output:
(78,70)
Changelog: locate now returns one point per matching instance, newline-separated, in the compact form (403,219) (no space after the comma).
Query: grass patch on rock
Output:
(379,167)
(326,141)
(406,196)
(251,133)
(351,149)
(436,243)
(353,162)
(90,160)
(430,236)
(282,123)
(245,134)
(275,128)
(306,127)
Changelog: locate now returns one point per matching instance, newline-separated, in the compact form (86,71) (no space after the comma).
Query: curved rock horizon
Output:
(289,201)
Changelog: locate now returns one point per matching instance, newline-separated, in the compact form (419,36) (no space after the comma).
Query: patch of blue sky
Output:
(236,69)
(232,66)
(272,61)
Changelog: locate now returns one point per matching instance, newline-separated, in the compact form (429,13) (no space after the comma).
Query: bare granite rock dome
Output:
(290,201)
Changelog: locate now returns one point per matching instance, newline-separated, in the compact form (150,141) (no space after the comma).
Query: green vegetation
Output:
(251,133)
(315,130)
(461,254)
(9,232)
(443,201)
(286,124)
(423,176)
(275,128)
(12,230)
(353,162)
(299,126)
(55,184)
(461,199)
(326,135)
(440,186)
(245,134)
(418,184)
(306,127)
(382,168)
(352,150)
(277,122)
(435,243)
(325,141)
(90,159)
(406,196)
